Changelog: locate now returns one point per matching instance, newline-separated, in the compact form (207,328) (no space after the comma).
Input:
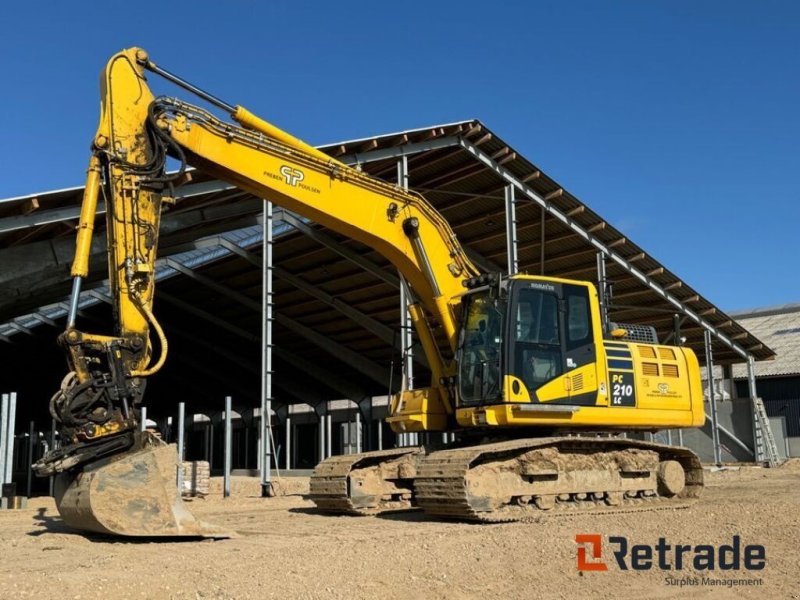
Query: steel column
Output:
(407,337)
(328,436)
(712,398)
(246,446)
(226,474)
(541,242)
(52,447)
(601,290)
(3,437)
(266,353)
(29,480)
(288,442)
(7,418)
(758,449)
(143,418)
(321,435)
(358,431)
(210,444)
(511,230)
(181,427)
(406,334)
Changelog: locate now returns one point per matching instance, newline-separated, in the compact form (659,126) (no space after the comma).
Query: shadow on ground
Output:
(55,524)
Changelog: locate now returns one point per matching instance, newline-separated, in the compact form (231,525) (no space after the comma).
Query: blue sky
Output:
(676,120)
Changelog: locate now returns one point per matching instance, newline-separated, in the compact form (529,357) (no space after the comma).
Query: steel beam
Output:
(340,249)
(596,242)
(340,384)
(403,151)
(320,373)
(381,331)
(191,309)
(366,366)
(359,362)
(71,213)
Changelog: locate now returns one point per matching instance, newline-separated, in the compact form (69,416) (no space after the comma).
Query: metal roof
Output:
(462,168)
(779,327)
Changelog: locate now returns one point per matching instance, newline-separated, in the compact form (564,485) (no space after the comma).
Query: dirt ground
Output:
(285,550)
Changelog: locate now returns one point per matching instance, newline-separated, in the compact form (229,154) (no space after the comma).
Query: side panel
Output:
(650,387)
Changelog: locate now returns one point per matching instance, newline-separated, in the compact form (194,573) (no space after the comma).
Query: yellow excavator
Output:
(538,389)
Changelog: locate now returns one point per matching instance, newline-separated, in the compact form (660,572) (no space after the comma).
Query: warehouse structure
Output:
(337,337)
(779,379)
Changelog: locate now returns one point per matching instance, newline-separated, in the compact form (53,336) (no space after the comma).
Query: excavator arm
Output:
(99,400)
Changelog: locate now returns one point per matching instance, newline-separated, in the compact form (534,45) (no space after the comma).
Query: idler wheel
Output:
(671,478)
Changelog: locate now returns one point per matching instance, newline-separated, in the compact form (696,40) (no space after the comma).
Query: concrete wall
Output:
(734,415)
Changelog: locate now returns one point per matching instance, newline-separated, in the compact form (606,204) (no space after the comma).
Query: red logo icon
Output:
(595,542)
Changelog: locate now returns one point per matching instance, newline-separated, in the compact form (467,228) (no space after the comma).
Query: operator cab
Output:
(534,329)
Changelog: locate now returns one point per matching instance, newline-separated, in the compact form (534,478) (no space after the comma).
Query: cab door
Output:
(580,350)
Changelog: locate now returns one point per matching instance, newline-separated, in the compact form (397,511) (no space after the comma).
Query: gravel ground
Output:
(286,550)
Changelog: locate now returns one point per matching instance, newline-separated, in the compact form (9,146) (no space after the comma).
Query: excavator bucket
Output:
(130,494)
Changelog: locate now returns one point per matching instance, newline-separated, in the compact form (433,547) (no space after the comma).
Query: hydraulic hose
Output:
(162,339)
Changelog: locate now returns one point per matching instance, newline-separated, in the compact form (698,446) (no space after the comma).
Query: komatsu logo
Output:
(291,175)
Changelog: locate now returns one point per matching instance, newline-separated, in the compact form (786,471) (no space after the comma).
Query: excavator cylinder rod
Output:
(151,66)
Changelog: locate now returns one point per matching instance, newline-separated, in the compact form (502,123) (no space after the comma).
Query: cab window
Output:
(579,329)
(537,353)
(480,351)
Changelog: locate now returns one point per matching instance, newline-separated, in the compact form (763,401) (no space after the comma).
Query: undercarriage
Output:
(511,480)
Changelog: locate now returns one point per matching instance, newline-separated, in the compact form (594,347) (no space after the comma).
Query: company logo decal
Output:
(292,176)
(706,560)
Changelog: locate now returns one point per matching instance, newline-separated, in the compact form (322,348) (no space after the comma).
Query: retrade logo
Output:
(665,556)
(291,175)
(593,544)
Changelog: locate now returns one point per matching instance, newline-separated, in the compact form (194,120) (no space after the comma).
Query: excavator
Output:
(544,396)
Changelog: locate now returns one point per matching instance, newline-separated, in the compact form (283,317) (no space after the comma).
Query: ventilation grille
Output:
(650,369)
(637,333)
(647,351)
(670,370)
(577,382)
(666,353)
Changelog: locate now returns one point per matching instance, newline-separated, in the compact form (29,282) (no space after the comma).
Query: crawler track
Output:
(449,482)
(512,480)
(366,483)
